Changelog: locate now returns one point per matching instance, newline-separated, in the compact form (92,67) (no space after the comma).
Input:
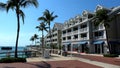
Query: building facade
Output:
(80,34)
(55,35)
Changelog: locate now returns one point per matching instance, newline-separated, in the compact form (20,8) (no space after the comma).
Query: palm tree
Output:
(102,17)
(48,17)
(32,39)
(17,5)
(42,27)
(35,37)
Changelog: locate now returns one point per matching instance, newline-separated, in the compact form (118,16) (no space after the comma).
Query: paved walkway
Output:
(50,64)
(90,59)
(114,61)
(57,61)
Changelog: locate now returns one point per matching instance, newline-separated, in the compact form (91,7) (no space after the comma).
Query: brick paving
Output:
(67,62)
(49,64)
(115,61)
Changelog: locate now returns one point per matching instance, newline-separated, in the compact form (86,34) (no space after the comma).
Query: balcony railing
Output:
(83,38)
(74,32)
(69,33)
(83,30)
(98,37)
(99,27)
(75,39)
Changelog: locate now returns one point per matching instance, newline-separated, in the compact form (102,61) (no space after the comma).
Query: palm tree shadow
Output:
(42,64)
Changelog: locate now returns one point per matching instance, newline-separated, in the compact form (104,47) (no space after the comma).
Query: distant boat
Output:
(6,48)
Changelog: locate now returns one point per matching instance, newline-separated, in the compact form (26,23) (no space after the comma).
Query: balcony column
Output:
(66,35)
(71,49)
(71,34)
(79,32)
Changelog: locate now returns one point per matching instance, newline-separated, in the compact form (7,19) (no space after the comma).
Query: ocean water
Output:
(10,53)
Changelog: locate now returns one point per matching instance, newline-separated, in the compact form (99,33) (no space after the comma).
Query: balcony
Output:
(83,29)
(63,40)
(55,37)
(100,27)
(75,39)
(69,33)
(75,32)
(55,32)
(83,38)
(99,37)
(63,35)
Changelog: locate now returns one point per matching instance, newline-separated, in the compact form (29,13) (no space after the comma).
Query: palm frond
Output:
(25,3)
(42,19)
(54,17)
(21,13)
(2,6)
(10,4)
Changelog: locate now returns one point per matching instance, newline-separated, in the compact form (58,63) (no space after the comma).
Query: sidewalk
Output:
(58,61)
(82,58)
(99,58)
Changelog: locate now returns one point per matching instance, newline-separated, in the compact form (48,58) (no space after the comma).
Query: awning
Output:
(98,42)
(83,42)
(66,43)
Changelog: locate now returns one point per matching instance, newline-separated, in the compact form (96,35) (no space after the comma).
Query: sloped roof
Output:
(59,26)
(114,11)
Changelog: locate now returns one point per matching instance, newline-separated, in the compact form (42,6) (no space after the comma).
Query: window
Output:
(75,28)
(64,32)
(90,16)
(69,37)
(64,38)
(83,26)
(75,37)
(100,33)
(83,35)
(69,30)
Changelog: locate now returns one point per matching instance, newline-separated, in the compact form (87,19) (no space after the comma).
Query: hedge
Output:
(110,55)
(11,60)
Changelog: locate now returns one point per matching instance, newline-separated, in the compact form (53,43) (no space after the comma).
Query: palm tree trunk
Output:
(18,30)
(107,40)
(42,45)
(50,39)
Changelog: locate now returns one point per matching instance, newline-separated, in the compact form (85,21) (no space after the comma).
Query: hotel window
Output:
(69,37)
(90,16)
(69,30)
(75,28)
(83,26)
(64,38)
(75,37)
(55,39)
(83,35)
(100,33)
(64,32)
(80,20)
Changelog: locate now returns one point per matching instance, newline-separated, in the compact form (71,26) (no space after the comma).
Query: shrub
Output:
(11,60)
(110,55)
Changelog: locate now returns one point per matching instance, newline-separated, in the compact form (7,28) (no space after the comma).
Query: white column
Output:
(100,48)
(71,49)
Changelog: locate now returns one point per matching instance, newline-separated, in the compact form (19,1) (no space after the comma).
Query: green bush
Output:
(11,60)
(110,55)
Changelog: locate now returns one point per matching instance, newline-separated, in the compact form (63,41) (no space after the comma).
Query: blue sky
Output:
(65,9)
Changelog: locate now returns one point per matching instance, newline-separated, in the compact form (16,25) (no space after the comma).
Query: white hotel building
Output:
(79,33)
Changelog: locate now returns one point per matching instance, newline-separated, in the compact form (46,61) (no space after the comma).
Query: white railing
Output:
(100,27)
(74,32)
(99,37)
(69,33)
(83,38)
(75,39)
(83,29)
